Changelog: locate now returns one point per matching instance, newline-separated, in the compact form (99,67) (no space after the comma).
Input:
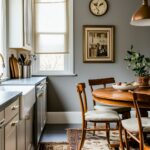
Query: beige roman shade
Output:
(51,29)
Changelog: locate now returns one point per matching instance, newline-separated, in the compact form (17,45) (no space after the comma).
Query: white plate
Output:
(124,87)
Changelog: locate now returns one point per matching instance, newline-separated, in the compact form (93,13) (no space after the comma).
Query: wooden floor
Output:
(56,132)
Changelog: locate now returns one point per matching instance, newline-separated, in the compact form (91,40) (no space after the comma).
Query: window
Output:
(54,37)
(3,37)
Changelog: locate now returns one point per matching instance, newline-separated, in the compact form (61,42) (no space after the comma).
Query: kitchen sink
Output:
(27,99)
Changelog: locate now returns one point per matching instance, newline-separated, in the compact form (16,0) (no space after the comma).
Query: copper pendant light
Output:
(142,16)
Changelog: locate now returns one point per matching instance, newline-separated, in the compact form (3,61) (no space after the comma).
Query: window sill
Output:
(56,75)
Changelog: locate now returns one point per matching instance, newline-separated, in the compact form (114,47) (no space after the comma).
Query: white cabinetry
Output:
(21,135)
(29,130)
(11,134)
(16,134)
(12,119)
(21,24)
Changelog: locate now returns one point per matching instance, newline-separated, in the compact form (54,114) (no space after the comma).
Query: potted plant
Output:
(140,65)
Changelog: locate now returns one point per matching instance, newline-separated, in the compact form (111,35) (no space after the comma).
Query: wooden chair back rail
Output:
(103,81)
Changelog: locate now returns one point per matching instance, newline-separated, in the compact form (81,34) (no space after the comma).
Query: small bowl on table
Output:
(124,86)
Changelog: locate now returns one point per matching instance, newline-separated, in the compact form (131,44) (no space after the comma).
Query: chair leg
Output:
(126,140)
(108,133)
(94,128)
(120,135)
(83,134)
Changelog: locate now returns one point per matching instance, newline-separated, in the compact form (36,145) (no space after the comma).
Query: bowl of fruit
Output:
(124,86)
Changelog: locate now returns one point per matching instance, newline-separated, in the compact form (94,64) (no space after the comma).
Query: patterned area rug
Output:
(96,142)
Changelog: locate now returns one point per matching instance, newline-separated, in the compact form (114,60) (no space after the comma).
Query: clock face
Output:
(98,7)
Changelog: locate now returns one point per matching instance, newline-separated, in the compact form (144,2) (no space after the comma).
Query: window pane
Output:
(51,62)
(51,17)
(50,43)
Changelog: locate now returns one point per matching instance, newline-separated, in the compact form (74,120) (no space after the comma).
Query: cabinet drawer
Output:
(11,126)
(12,110)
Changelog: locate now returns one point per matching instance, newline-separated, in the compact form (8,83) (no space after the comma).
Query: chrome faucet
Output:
(3,65)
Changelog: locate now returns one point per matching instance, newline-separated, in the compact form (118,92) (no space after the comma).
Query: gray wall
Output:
(61,90)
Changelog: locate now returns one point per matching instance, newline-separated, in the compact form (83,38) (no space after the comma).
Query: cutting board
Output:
(11,68)
(14,65)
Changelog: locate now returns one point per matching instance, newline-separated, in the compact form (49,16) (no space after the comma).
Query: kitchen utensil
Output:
(20,61)
(22,58)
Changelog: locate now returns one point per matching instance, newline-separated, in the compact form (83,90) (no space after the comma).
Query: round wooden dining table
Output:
(111,96)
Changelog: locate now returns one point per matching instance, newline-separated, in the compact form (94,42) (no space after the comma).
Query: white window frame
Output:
(69,58)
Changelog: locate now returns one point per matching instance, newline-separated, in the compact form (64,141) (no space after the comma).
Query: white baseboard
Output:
(72,117)
(64,117)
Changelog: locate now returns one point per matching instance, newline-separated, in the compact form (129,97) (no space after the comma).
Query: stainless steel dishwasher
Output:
(40,110)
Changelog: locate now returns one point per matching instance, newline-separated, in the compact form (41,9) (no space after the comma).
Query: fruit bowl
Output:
(125,86)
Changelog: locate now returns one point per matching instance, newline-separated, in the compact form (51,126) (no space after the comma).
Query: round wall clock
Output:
(98,7)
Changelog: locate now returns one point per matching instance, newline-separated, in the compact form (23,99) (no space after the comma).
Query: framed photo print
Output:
(98,43)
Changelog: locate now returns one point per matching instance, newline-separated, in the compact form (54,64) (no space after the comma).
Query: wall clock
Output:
(98,7)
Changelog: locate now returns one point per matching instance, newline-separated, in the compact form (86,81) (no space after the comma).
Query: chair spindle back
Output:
(136,98)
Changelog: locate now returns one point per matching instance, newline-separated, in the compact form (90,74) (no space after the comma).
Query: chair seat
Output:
(117,109)
(101,116)
(131,124)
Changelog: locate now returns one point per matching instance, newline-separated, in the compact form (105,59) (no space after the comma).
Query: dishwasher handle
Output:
(40,93)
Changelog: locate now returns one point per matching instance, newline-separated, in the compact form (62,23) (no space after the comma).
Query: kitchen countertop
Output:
(7,98)
(25,81)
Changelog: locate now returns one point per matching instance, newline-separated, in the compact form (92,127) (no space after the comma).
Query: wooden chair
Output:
(135,128)
(124,111)
(96,116)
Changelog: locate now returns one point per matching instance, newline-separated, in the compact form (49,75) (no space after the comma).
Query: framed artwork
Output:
(98,43)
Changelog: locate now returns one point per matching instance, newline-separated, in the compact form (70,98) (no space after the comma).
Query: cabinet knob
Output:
(14,123)
(14,107)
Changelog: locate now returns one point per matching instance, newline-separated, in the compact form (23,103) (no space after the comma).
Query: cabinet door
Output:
(21,135)
(44,104)
(29,130)
(11,134)
(28,24)
(1,138)
(21,24)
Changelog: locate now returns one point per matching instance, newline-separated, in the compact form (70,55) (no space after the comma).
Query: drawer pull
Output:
(14,123)
(14,107)
(2,123)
